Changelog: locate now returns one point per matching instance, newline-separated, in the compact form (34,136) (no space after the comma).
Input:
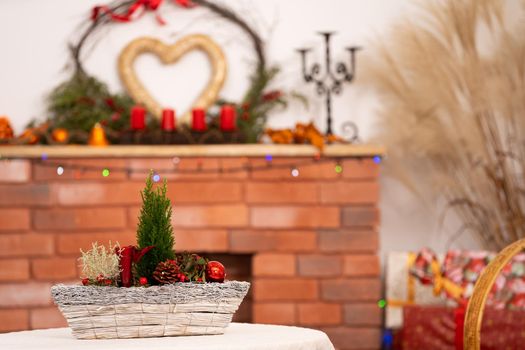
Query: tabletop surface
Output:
(237,336)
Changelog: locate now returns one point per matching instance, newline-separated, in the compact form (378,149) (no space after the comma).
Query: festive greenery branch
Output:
(154,228)
(83,100)
(193,266)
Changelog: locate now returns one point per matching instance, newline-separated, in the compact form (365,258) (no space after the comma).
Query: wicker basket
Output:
(482,288)
(137,312)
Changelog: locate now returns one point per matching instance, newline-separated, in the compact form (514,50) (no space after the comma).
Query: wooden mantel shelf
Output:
(252,150)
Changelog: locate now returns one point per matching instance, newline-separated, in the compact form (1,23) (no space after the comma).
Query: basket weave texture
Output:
(482,288)
(177,309)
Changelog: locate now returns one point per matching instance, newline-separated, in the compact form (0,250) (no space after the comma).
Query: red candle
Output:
(199,120)
(138,118)
(168,120)
(228,118)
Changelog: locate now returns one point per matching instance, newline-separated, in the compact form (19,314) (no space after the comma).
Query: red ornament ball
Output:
(85,281)
(215,272)
(143,281)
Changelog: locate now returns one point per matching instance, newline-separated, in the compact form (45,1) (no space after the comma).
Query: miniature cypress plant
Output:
(154,228)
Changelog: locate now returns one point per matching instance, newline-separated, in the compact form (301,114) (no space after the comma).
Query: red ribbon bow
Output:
(127,256)
(143,5)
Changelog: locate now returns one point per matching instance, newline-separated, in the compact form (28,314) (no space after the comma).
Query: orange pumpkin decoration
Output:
(60,135)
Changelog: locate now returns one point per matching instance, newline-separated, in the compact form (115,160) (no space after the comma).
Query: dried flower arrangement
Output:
(148,290)
(100,265)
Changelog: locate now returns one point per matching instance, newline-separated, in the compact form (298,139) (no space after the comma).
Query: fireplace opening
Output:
(238,268)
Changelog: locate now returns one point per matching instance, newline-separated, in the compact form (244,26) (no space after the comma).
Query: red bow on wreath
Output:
(145,5)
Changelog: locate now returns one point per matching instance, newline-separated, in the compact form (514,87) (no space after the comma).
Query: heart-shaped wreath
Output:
(170,54)
(77,104)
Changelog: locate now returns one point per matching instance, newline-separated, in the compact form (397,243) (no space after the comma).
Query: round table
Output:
(237,336)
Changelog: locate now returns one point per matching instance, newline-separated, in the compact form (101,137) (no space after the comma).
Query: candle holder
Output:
(184,135)
(331,82)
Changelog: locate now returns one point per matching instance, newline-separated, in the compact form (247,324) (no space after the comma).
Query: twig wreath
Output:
(83,100)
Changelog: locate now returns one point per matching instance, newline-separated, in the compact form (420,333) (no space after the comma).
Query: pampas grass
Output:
(452,87)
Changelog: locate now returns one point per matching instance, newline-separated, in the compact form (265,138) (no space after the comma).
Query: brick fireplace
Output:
(307,243)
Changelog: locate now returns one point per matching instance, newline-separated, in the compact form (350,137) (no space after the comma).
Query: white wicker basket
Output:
(137,312)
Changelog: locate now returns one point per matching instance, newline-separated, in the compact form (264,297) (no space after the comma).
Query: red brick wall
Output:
(313,238)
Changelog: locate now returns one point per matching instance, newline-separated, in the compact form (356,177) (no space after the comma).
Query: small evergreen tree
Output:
(154,228)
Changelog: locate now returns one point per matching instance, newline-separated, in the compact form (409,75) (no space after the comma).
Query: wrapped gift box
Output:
(411,278)
(402,289)
(460,270)
(441,328)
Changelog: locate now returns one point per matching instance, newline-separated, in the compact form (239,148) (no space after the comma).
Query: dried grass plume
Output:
(452,88)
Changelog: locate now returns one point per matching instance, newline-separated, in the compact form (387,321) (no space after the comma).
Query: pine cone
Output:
(167,272)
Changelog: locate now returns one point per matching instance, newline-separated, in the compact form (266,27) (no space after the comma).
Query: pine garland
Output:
(154,228)
(83,100)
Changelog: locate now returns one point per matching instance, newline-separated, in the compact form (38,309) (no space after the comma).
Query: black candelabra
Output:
(330,82)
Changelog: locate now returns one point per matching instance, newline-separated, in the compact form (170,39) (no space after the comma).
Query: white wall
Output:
(34,34)
(33,44)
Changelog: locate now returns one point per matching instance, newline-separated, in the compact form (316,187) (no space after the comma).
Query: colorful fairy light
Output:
(381,303)
(388,339)
(293,167)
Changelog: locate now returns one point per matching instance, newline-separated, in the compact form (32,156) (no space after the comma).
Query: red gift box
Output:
(441,328)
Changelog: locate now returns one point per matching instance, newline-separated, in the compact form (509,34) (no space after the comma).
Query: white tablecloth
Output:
(237,336)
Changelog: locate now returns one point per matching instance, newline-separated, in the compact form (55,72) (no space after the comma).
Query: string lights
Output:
(294,168)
